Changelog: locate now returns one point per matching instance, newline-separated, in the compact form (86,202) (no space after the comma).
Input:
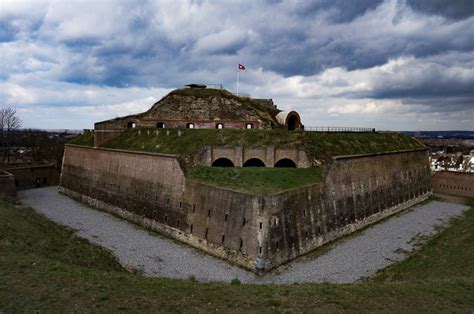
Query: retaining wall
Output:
(151,190)
(250,230)
(7,185)
(454,183)
(358,191)
(32,176)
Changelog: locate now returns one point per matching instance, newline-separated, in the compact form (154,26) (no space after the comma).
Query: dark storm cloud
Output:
(338,11)
(455,9)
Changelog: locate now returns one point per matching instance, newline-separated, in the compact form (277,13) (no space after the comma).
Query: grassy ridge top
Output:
(187,143)
(256,180)
(86,139)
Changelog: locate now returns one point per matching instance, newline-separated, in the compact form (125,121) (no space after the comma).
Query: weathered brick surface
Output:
(151,190)
(357,191)
(454,183)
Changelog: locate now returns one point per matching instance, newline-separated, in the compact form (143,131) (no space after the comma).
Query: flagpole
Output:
(238,71)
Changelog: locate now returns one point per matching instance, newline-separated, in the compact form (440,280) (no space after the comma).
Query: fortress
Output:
(182,168)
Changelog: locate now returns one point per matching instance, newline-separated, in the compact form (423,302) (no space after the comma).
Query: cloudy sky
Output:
(394,64)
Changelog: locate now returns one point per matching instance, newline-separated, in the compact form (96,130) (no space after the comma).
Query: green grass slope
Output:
(45,268)
(187,143)
(86,139)
(256,180)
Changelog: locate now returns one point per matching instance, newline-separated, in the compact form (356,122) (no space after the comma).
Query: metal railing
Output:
(337,129)
(215,86)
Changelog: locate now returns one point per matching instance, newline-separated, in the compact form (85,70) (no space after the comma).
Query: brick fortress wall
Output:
(358,191)
(249,230)
(454,183)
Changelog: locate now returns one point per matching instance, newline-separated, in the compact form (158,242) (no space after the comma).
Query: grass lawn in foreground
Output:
(257,180)
(45,267)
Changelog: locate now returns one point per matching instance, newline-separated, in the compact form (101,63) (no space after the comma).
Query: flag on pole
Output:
(241,67)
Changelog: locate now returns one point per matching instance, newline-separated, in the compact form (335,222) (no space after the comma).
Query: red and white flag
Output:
(241,67)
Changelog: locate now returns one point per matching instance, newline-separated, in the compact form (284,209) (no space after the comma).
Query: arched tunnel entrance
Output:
(254,162)
(223,162)
(285,163)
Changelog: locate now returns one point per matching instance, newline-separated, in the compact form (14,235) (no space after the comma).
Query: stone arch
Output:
(223,162)
(290,120)
(254,162)
(285,163)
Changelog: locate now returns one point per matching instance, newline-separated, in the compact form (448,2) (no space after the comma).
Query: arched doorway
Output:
(285,163)
(223,162)
(292,122)
(254,162)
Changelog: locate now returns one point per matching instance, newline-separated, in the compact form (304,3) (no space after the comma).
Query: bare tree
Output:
(9,121)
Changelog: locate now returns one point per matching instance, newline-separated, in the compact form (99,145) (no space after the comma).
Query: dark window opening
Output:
(161,125)
(261,225)
(131,125)
(241,244)
(254,162)
(260,250)
(178,222)
(223,238)
(223,162)
(243,222)
(194,208)
(304,213)
(277,245)
(191,229)
(205,235)
(285,163)
(180,204)
(209,213)
(226,217)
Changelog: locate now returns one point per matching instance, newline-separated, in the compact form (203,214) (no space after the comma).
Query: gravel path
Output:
(353,259)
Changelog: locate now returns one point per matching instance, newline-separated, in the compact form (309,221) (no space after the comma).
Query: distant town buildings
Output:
(442,161)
